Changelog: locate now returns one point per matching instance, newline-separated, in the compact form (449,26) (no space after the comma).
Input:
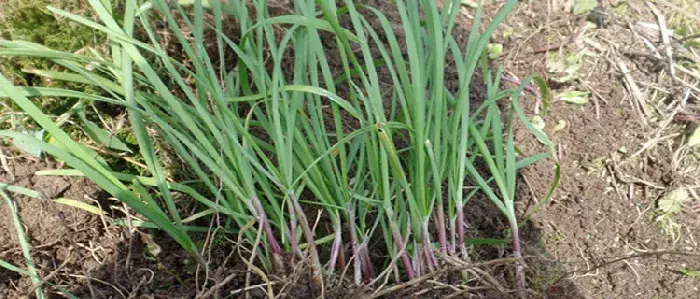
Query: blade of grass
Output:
(23,243)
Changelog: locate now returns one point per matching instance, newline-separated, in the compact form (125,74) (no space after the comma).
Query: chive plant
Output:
(280,131)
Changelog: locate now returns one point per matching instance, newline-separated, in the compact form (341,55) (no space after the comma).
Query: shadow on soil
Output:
(79,252)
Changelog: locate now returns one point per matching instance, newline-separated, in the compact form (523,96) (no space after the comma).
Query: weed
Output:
(275,135)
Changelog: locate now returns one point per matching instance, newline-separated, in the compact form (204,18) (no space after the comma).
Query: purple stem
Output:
(398,242)
(453,235)
(405,260)
(519,266)
(428,247)
(418,263)
(316,277)
(334,256)
(366,271)
(529,88)
(337,243)
(259,214)
(341,257)
(368,263)
(440,225)
(460,231)
(428,260)
(357,263)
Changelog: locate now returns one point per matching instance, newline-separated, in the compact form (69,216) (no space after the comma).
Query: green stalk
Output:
(255,141)
(23,243)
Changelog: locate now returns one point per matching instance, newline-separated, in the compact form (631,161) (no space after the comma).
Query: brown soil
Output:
(90,258)
(601,223)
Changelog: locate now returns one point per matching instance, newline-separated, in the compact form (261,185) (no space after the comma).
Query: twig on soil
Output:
(488,279)
(533,198)
(595,97)
(649,144)
(613,176)
(583,256)
(206,247)
(664,37)
(465,290)
(637,53)
(687,38)
(636,275)
(347,267)
(425,277)
(640,103)
(687,72)
(250,263)
(647,43)
(46,278)
(678,9)
(90,279)
(442,285)
(224,282)
(677,107)
(480,275)
(630,180)
(401,253)
(103,217)
(4,164)
(631,194)
(426,290)
(130,231)
(687,117)
(388,270)
(676,66)
(458,290)
(246,289)
(643,254)
(142,281)
(118,155)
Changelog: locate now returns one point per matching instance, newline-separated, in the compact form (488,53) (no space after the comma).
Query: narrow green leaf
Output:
(23,243)
(20,144)
(80,205)
(20,190)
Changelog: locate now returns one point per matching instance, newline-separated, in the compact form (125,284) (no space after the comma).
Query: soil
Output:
(597,238)
(601,225)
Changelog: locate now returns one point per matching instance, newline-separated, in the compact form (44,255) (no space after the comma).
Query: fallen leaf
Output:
(470,3)
(566,64)
(574,96)
(695,138)
(561,125)
(584,6)
(495,50)
(691,273)
(538,122)
(151,246)
(673,202)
